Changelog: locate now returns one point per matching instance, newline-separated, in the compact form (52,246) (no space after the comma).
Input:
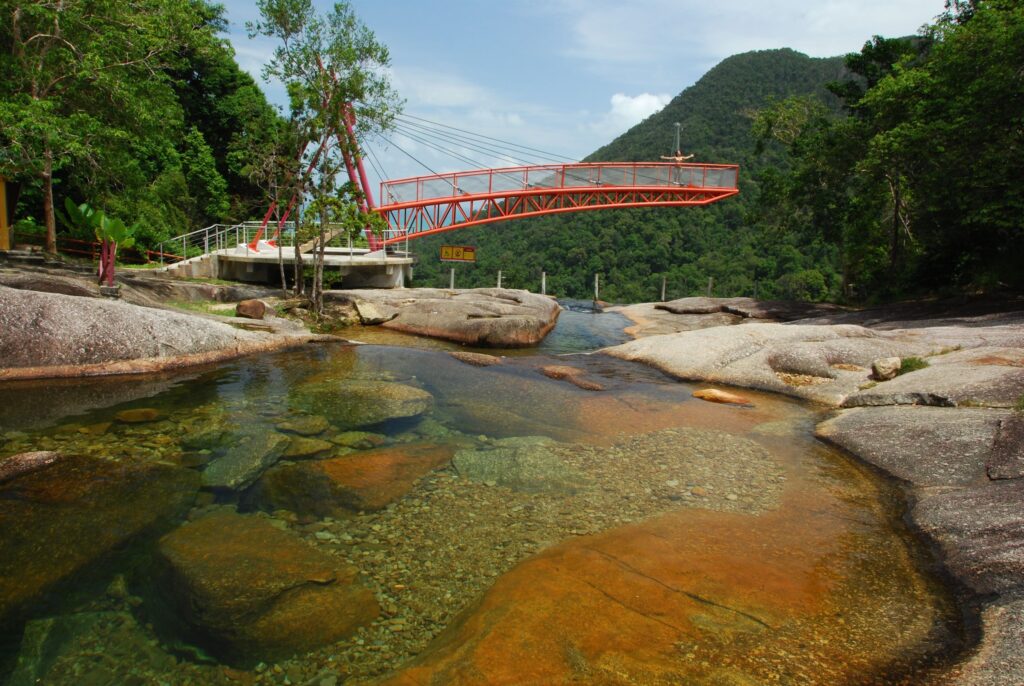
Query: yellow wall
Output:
(5,232)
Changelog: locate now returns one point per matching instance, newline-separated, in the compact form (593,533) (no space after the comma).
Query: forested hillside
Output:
(633,250)
(890,173)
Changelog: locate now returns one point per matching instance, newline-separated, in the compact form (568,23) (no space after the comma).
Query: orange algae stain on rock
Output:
(261,593)
(715,395)
(371,479)
(688,597)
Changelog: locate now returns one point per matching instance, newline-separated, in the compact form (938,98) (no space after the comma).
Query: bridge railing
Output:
(508,180)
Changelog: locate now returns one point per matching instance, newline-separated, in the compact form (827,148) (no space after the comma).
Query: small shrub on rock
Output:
(912,364)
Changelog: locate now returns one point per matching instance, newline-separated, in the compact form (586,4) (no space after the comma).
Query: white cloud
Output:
(651,42)
(626,111)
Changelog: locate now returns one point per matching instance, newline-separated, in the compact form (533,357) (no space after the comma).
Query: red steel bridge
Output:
(425,205)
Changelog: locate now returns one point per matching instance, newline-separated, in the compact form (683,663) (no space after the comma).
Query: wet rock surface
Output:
(356,403)
(522,464)
(485,317)
(59,519)
(62,650)
(748,308)
(257,592)
(366,480)
(249,456)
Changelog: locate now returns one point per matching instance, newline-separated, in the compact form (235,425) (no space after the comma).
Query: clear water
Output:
(519,529)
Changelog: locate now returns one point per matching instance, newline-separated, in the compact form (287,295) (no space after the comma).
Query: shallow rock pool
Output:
(386,514)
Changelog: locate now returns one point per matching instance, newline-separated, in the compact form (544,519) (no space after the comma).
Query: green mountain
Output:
(633,250)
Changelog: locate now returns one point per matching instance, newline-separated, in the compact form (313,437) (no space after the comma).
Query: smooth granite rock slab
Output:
(1007,460)
(987,377)
(981,532)
(927,446)
(999,658)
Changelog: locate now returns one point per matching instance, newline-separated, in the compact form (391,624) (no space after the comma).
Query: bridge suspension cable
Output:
(547,156)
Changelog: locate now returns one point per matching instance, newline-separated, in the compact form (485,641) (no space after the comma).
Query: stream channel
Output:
(387,513)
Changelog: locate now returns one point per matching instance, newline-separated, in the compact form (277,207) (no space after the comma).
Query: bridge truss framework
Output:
(425,205)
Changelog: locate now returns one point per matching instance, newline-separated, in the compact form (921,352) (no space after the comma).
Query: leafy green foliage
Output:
(917,187)
(138,106)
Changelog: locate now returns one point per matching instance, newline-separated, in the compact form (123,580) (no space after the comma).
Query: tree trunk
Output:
(895,245)
(48,212)
(299,285)
(318,269)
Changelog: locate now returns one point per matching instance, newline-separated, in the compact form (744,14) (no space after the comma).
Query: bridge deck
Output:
(425,205)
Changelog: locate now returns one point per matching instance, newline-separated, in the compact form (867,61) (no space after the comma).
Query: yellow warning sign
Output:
(458,253)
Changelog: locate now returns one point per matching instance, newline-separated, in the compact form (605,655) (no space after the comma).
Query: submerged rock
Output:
(245,460)
(690,597)
(54,649)
(59,519)
(477,359)
(714,395)
(305,425)
(367,480)
(302,446)
(139,415)
(257,593)
(522,464)
(23,463)
(352,404)
(573,375)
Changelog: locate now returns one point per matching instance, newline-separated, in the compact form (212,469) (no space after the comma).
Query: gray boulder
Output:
(486,317)
(74,336)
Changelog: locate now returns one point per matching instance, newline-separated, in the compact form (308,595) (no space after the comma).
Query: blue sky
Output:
(569,75)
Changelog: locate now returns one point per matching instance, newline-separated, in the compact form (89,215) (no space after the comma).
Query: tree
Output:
(335,73)
(78,77)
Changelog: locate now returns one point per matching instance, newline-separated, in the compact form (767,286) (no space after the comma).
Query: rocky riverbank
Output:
(951,427)
(54,323)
